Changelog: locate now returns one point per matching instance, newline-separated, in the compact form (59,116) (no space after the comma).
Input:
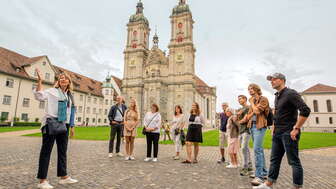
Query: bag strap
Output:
(120,111)
(152,119)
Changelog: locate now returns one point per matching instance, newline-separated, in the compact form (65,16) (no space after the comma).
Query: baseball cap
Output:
(276,76)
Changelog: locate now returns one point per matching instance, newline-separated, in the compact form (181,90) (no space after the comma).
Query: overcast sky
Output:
(237,42)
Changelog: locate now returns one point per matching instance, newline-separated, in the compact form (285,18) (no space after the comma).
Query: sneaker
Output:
(120,154)
(127,158)
(68,180)
(244,172)
(110,155)
(232,166)
(177,158)
(147,159)
(132,158)
(222,160)
(262,186)
(257,181)
(44,185)
(155,159)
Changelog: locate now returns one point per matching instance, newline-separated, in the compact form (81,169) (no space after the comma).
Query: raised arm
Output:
(39,94)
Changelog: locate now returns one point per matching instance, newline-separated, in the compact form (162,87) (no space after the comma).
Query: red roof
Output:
(320,88)
(202,87)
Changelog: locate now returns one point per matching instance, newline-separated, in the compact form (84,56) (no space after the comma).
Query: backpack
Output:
(269,117)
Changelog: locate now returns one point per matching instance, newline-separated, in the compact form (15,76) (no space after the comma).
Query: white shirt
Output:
(155,123)
(51,96)
(178,122)
(198,120)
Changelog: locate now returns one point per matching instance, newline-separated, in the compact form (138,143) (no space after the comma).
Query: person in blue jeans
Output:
(257,123)
(286,132)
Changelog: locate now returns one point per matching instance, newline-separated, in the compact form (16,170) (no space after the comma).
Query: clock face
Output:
(179,58)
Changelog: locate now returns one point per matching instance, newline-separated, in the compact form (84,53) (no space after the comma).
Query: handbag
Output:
(182,138)
(144,132)
(55,127)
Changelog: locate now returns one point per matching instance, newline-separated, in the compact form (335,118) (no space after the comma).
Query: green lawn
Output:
(210,138)
(10,129)
(308,140)
(93,133)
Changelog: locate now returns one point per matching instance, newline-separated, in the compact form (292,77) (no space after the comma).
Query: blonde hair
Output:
(256,88)
(69,87)
(197,111)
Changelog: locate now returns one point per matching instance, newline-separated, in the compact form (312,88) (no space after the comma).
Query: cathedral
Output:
(152,76)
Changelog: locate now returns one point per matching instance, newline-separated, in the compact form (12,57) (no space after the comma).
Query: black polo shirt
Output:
(287,104)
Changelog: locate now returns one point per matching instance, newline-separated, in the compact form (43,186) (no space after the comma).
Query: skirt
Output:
(233,145)
(194,133)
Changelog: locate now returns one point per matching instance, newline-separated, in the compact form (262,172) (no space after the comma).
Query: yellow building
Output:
(152,76)
(93,99)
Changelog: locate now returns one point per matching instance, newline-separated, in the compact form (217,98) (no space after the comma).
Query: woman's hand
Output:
(72,132)
(39,77)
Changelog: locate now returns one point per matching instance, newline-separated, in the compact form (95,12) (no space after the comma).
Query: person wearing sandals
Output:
(178,124)
(131,121)
(58,118)
(194,134)
(152,122)
(233,128)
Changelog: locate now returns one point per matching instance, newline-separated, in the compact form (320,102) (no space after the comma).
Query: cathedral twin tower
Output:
(151,76)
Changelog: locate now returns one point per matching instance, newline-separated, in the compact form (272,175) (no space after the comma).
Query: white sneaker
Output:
(120,154)
(44,185)
(155,159)
(110,155)
(127,158)
(262,186)
(232,166)
(147,159)
(257,181)
(68,180)
(132,158)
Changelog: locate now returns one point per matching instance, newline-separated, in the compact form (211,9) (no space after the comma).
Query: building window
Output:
(329,107)
(7,100)
(111,102)
(81,97)
(315,106)
(4,116)
(95,100)
(80,109)
(44,63)
(101,101)
(317,120)
(105,112)
(331,120)
(93,120)
(79,119)
(25,102)
(89,99)
(34,86)
(47,76)
(99,120)
(106,102)
(10,83)
(94,110)
(88,110)
(208,108)
(24,117)
(42,104)
(87,120)
(106,92)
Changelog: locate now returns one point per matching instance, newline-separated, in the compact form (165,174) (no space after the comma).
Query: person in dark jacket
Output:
(287,131)
(116,117)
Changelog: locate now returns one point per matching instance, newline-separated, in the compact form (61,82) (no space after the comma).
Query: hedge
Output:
(22,124)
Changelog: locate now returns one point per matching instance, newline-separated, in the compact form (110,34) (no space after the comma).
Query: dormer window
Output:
(44,63)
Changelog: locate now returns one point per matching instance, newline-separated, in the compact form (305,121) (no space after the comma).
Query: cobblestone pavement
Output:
(88,162)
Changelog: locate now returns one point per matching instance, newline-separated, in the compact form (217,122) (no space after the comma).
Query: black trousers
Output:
(46,149)
(152,139)
(116,129)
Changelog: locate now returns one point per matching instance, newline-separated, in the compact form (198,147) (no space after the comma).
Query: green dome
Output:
(139,18)
(181,8)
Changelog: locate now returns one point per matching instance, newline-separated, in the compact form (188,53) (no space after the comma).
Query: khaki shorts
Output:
(222,140)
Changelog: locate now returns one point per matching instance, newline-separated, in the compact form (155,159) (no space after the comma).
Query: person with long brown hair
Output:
(194,134)
(58,119)
(178,124)
(131,122)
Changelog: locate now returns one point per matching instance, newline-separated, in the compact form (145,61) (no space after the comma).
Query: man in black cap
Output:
(287,130)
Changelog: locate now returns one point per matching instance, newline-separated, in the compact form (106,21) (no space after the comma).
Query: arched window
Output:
(329,107)
(315,106)
(208,108)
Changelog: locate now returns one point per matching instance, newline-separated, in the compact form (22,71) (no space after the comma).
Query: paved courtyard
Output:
(89,164)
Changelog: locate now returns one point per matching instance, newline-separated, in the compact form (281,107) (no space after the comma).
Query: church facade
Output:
(152,76)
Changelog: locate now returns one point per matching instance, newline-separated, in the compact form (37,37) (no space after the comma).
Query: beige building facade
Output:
(152,76)
(18,79)
(322,101)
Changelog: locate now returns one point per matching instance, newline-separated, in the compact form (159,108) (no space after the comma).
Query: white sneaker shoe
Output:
(120,154)
(68,180)
(147,159)
(257,181)
(127,158)
(232,166)
(110,155)
(155,159)
(262,186)
(132,158)
(44,185)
